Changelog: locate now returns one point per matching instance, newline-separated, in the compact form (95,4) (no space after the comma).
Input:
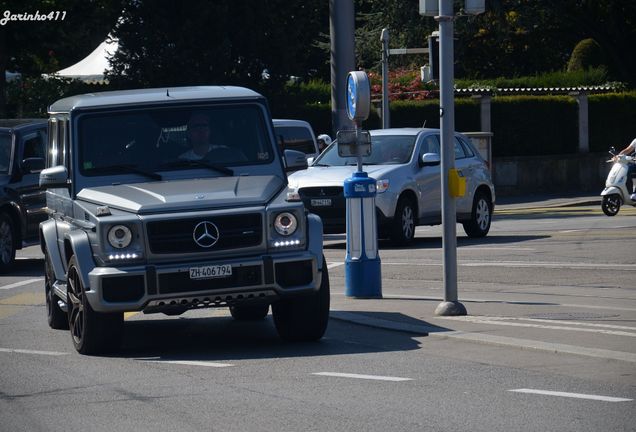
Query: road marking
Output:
(24,299)
(21,283)
(439,332)
(572,395)
(512,264)
(358,376)
(190,363)
(25,351)
(509,321)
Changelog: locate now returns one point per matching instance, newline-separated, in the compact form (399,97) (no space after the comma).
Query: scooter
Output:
(616,192)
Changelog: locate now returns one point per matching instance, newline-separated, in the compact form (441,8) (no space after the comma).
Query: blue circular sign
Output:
(358,95)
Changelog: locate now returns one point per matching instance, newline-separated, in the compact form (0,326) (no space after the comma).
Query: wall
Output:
(558,174)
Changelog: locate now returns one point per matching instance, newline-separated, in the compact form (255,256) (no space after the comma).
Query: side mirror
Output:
(430,159)
(56,176)
(294,160)
(32,165)
(310,160)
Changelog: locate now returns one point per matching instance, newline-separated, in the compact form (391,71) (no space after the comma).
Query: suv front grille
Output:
(177,236)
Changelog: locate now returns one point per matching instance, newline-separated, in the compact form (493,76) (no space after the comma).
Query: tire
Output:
(304,319)
(249,312)
(480,217)
(7,242)
(55,316)
(611,204)
(92,332)
(403,226)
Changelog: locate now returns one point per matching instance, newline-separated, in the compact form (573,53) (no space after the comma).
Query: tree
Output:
(166,43)
(71,30)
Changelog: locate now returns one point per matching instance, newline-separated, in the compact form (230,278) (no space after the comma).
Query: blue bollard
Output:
(363,278)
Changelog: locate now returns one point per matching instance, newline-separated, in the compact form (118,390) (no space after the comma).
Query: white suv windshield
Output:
(162,139)
(385,150)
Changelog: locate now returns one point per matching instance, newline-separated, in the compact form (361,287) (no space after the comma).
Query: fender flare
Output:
(81,246)
(48,244)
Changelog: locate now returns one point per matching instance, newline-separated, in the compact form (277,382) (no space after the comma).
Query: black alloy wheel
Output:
(92,332)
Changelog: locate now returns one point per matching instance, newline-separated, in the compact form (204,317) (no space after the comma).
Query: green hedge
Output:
(612,120)
(522,125)
(534,125)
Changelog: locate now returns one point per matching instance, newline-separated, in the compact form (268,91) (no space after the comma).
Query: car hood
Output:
(180,195)
(335,175)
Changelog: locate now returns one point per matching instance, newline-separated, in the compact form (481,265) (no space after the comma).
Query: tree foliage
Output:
(44,46)
(222,42)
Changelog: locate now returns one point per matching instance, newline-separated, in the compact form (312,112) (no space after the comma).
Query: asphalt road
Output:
(558,275)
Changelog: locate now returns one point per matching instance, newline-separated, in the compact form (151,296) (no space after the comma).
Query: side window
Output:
(459,149)
(34,145)
(467,148)
(430,145)
(295,138)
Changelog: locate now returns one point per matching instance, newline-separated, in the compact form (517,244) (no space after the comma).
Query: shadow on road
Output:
(224,339)
(26,267)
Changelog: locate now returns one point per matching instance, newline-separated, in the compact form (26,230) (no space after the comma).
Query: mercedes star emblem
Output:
(205,234)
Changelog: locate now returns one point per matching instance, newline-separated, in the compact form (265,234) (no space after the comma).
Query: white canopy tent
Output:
(93,66)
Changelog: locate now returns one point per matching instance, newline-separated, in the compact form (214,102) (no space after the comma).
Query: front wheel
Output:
(611,204)
(480,217)
(304,318)
(403,228)
(92,332)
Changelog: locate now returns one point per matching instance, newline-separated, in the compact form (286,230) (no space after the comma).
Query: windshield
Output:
(385,150)
(175,138)
(5,153)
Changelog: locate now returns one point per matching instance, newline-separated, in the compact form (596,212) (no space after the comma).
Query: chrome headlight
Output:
(119,236)
(285,224)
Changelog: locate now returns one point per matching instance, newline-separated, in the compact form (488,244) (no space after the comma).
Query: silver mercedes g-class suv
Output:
(165,200)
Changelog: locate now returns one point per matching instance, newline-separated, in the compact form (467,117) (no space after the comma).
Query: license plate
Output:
(212,271)
(324,202)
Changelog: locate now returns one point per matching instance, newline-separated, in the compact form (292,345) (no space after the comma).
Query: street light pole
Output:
(450,305)
(384,38)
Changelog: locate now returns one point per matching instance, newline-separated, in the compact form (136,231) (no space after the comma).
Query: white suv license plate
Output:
(324,202)
(210,272)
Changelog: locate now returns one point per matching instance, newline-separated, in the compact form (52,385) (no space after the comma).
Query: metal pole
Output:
(384,37)
(341,26)
(450,305)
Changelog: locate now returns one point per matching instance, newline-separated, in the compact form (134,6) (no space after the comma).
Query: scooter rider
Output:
(631,173)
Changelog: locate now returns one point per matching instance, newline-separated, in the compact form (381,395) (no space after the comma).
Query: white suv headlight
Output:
(119,236)
(285,224)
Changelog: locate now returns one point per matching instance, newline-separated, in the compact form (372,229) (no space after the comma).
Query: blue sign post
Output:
(363,278)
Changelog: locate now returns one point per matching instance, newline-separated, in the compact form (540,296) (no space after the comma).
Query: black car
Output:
(22,203)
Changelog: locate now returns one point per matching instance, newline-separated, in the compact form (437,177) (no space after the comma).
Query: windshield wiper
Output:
(198,163)
(129,169)
(321,165)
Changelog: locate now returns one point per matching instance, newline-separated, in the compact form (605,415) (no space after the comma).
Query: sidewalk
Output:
(546,200)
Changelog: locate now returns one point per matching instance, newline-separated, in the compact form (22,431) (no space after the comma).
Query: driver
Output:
(198,134)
